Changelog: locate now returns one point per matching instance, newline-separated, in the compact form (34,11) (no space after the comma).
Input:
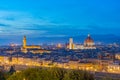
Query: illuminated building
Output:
(29,47)
(71,44)
(59,45)
(78,46)
(34,51)
(25,47)
(114,68)
(117,56)
(87,64)
(89,43)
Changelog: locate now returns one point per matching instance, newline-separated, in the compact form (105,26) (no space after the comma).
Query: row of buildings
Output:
(94,65)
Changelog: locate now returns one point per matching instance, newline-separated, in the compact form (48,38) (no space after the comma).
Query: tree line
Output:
(46,74)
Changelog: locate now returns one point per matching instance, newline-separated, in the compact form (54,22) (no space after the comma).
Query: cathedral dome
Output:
(88,41)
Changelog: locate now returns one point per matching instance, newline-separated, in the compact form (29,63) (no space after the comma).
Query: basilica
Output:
(88,44)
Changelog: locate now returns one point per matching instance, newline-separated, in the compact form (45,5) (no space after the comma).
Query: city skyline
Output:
(100,39)
(59,39)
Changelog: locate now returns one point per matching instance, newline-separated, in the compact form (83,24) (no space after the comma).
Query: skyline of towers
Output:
(88,44)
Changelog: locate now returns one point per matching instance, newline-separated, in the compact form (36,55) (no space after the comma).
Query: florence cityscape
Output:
(60,40)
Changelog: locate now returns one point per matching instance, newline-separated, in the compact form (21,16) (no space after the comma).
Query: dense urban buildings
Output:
(54,34)
(87,56)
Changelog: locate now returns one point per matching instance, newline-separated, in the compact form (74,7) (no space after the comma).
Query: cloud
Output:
(20,23)
(3,25)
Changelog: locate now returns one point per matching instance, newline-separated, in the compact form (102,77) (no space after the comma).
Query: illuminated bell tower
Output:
(71,44)
(24,42)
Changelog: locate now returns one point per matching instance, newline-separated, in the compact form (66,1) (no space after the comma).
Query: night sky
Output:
(58,18)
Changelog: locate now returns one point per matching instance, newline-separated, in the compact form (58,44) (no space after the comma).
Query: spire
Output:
(88,35)
(24,37)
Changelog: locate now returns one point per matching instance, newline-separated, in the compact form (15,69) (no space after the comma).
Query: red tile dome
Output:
(88,41)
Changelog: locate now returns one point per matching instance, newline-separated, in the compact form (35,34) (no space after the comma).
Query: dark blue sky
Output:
(59,18)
